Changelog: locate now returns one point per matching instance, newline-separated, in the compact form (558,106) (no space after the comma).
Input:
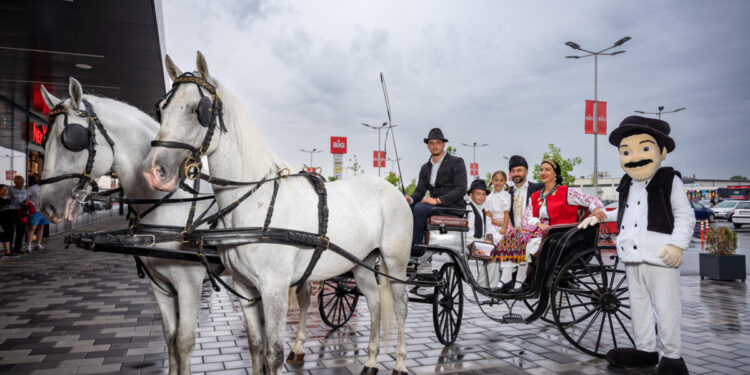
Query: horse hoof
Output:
(396,372)
(369,371)
(295,358)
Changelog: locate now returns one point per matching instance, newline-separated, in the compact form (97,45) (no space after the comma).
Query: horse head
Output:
(190,114)
(72,159)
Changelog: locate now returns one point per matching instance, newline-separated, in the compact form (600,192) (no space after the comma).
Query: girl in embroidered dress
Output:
(554,204)
(498,203)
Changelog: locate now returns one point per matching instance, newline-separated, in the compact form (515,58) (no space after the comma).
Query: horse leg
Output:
(297,354)
(254,325)
(368,286)
(168,309)
(188,300)
(275,305)
(396,267)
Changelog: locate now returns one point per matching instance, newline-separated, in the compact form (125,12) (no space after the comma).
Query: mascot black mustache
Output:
(654,197)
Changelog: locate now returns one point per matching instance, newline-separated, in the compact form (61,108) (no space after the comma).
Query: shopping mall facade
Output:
(114,48)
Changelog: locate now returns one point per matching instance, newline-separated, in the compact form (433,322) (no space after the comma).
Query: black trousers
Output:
(20,232)
(421,211)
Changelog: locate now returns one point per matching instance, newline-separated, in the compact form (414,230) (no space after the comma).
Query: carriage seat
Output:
(447,222)
(583,212)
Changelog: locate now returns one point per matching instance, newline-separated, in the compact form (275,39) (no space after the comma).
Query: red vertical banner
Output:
(474,169)
(602,118)
(378,159)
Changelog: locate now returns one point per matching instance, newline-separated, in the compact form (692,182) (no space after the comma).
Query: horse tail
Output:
(386,305)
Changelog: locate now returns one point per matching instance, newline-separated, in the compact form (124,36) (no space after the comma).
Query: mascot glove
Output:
(587,222)
(672,256)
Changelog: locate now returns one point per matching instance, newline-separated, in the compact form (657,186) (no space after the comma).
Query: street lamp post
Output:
(311,152)
(661,110)
(576,46)
(474,146)
(378,128)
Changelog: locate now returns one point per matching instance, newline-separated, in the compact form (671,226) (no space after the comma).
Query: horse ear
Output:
(49,99)
(76,92)
(172,68)
(200,62)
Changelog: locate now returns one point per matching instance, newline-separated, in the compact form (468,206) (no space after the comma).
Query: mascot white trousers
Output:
(655,292)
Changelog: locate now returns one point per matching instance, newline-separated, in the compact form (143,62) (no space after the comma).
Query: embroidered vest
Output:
(659,193)
(558,209)
(479,218)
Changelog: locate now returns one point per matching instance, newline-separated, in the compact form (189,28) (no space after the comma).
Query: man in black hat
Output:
(444,176)
(522,189)
(655,222)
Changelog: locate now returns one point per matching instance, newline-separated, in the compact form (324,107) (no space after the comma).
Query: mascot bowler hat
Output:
(435,133)
(658,129)
(517,161)
(478,184)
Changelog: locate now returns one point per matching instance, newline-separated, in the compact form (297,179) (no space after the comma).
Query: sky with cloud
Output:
(486,71)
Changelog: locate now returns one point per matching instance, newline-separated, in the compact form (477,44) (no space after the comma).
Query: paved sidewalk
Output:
(78,312)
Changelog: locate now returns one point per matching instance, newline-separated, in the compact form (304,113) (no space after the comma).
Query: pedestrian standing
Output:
(18,196)
(7,215)
(37,221)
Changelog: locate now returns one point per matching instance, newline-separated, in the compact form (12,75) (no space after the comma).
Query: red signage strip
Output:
(338,145)
(378,159)
(474,169)
(602,118)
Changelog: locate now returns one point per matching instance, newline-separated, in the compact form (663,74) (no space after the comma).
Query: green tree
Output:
(738,177)
(451,150)
(332,178)
(356,168)
(412,186)
(488,180)
(393,179)
(566,165)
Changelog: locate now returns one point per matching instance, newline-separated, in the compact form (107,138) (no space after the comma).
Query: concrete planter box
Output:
(722,267)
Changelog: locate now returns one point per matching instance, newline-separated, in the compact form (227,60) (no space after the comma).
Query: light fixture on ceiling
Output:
(83,66)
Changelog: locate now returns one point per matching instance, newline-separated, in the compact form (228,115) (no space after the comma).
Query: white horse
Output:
(131,130)
(368,217)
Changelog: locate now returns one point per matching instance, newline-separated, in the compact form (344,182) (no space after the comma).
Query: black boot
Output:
(631,357)
(671,366)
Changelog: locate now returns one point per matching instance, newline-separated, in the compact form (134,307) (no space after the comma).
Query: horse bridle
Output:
(76,138)
(210,112)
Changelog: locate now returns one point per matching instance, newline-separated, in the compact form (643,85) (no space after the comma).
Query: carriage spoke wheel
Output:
(448,304)
(337,300)
(590,303)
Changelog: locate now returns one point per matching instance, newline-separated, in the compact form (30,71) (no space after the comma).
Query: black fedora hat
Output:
(435,133)
(659,129)
(478,184)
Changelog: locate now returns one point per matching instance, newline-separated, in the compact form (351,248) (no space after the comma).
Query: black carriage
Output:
(575,281)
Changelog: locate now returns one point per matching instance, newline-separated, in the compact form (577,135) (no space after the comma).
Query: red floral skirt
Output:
(512,248)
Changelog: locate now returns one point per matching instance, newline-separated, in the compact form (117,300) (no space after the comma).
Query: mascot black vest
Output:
(659,191)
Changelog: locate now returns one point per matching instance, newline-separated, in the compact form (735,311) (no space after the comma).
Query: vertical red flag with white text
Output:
(601,114)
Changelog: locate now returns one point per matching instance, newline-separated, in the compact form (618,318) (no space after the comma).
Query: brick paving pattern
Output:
(77,312)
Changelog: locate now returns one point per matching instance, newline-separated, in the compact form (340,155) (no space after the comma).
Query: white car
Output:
(741,214)
(725,209)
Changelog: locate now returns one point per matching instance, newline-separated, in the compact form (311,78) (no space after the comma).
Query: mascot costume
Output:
(655,223)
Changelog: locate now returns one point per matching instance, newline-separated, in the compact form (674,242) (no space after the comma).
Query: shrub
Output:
(721,241)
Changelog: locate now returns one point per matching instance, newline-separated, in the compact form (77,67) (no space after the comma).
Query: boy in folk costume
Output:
(482,236)
(655,222)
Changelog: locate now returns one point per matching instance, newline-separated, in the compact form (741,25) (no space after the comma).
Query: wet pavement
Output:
(76,312)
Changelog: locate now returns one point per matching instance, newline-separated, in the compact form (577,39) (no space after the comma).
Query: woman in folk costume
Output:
(482,236)
(554,204)
(498,203)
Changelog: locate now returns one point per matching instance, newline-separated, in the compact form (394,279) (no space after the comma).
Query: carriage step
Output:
(510,318)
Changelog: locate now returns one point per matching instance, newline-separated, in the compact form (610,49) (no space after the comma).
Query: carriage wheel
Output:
(337,301)
(448,304)
(590,303)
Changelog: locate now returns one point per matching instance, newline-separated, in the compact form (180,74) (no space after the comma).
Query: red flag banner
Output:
(378,158)
(474,169)
(602,118)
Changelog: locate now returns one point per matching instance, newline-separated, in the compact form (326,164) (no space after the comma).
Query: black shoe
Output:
(506,287)
(671,366)
(631,357)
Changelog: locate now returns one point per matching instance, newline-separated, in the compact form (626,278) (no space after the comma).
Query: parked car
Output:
(741,214)
(725,209)
(702,212)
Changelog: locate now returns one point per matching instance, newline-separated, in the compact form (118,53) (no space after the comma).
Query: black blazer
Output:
(450,184)
(533,187)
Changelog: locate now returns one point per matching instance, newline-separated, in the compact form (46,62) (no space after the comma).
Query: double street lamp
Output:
(661,110)
(596,55)
(311,152)
(379,128)
(474,146)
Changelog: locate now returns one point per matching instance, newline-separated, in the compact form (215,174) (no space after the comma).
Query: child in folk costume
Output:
(554,204)
(498,203)
(482,236)
(655,222)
